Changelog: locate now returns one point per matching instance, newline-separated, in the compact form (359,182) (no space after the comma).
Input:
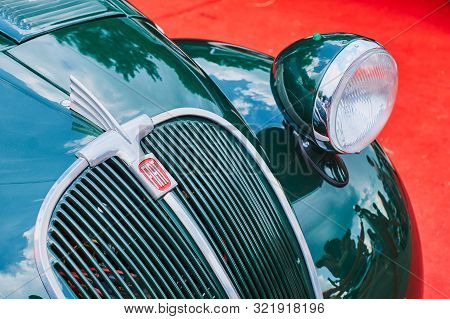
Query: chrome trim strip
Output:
(267,172)
(201,241)
(51,283)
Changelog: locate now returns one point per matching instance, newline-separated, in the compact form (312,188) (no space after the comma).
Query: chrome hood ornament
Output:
(86,104)
(118,140)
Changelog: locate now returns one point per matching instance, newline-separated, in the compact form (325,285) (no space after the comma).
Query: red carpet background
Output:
(417,33)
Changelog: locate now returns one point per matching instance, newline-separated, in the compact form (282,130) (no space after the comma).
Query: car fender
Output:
(363,237)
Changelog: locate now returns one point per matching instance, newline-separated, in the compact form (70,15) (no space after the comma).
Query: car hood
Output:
(129,66)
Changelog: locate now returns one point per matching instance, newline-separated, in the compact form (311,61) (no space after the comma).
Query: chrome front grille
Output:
(107,238)
(224,230)
(227,194)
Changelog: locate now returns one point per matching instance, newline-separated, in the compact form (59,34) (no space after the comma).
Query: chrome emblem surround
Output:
(122,141)
(156,174)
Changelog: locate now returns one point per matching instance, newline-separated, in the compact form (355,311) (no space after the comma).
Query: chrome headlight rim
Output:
(339,72)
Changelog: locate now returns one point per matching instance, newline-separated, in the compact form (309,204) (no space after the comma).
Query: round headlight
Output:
(355,97)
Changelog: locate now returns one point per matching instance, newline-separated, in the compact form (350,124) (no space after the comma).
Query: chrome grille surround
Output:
(171,200)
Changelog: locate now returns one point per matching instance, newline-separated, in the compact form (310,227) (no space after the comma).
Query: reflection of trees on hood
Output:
(348,261)
(121,45)
(395,221)
(384,235)
(120,49)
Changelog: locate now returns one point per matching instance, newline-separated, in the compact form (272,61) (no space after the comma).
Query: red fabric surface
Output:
(418,36)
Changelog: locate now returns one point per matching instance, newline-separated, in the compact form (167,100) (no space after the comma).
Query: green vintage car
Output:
(136,166)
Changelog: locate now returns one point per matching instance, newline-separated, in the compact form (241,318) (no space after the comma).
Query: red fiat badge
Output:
(155,173)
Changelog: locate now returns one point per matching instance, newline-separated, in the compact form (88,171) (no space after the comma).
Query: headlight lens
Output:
(363,101)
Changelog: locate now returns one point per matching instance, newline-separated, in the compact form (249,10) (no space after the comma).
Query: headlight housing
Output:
(340,87)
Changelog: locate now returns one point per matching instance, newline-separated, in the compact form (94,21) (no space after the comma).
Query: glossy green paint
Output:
(298,71)
(361,235)
(5,43)
(242,75)
(135,70)
(37,143)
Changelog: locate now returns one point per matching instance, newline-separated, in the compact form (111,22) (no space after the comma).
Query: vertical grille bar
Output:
(244,199)
(116,227)
(240,163)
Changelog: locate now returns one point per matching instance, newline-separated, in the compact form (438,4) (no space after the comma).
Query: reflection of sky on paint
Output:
(311,69)
(23,272)
(249,91)
(77,144)
(323,219)
(359,192)
(32,160)
(319,221)
(324,276)
(356,231)
(29,80)
(368,196)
